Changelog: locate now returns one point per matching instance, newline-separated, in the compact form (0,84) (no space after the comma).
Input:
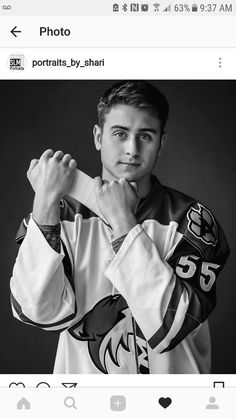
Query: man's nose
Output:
(132,147)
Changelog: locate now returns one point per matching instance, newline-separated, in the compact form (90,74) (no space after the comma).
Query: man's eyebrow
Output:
(148,129)
(140,130)
(119,127)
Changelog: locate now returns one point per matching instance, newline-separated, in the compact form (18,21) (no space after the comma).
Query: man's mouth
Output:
(128,163)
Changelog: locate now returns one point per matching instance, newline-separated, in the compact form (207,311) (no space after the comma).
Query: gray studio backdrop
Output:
(199,159)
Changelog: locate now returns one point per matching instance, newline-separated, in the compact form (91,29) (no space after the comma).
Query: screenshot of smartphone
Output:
(117,205)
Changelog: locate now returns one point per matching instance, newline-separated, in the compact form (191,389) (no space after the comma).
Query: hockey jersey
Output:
(143,309)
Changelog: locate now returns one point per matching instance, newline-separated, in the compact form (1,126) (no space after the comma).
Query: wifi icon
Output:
(156,7)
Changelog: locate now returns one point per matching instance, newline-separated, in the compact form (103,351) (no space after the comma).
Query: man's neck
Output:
(144,186)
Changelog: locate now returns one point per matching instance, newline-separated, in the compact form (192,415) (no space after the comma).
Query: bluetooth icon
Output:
(125,7)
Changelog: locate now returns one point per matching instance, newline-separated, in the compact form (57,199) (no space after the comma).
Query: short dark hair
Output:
(138,93)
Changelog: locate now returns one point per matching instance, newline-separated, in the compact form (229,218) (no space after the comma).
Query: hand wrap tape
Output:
(83,189)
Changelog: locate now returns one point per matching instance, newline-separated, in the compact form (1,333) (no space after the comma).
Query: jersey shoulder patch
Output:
(202,225)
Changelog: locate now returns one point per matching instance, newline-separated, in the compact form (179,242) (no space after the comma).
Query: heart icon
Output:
(165,402)
(16,385)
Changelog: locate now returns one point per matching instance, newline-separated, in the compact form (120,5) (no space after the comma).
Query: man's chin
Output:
(131,176)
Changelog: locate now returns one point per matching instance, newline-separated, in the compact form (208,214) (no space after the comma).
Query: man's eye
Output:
(145,137)
(119,134)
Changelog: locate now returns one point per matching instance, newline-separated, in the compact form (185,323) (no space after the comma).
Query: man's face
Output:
(129,143)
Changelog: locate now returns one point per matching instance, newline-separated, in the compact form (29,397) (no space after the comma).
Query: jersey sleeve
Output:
(42,288)
(170,297)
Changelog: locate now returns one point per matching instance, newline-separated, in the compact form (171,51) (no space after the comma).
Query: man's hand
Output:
(118,202)
(51,177)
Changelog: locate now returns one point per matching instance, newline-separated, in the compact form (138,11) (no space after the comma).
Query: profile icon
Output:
(212,403)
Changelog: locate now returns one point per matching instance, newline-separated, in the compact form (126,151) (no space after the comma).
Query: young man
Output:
(131,295)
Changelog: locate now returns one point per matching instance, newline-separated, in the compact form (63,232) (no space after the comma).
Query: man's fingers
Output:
(134,185)
(72,164)
(47,154)
(33,163)
(97,183)
(66,158)
(122,180)
(58,155)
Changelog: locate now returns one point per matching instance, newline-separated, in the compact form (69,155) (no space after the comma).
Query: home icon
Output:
(23,404)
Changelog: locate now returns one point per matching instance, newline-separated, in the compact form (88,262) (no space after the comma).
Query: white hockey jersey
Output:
(140,310)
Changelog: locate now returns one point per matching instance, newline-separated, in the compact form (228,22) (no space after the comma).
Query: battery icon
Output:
(194,7)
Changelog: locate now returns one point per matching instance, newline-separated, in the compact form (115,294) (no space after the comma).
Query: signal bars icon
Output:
(167,9)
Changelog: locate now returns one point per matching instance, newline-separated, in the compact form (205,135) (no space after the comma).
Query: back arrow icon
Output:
(13,31)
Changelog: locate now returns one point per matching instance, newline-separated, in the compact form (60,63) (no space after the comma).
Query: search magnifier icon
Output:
(70,402)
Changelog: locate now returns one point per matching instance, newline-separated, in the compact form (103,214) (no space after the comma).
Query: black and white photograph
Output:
(118,226)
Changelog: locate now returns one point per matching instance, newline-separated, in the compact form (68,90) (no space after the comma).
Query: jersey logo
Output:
(107,328)
(202,225)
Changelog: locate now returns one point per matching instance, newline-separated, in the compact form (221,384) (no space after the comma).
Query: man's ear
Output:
(162,143)
(97,134)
